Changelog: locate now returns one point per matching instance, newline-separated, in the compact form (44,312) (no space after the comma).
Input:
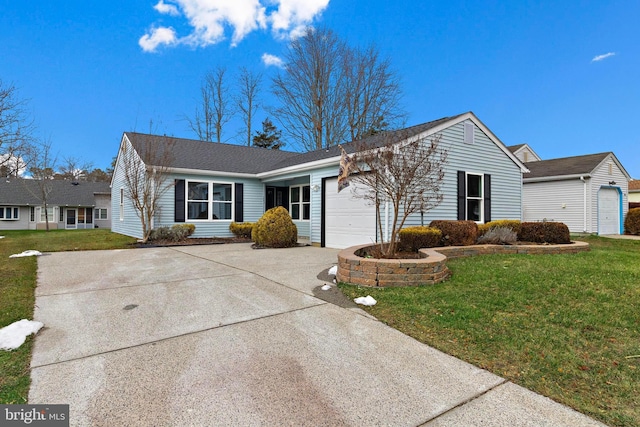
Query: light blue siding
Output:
(253,205)
(481,157)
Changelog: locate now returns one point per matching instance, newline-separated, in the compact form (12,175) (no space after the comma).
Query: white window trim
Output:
(481,198)
(121,204)
(97,216)
(301,203)
(12,210)
(52,218)
(209,200)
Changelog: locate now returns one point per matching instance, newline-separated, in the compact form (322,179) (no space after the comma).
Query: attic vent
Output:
(468,132)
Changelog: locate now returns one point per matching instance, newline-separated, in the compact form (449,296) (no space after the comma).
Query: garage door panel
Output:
(349,220)
(608,211)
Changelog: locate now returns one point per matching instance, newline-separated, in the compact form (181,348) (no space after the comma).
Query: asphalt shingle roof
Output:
(565,166)
(23,192)
(199,155)
(634,185)
(514,148)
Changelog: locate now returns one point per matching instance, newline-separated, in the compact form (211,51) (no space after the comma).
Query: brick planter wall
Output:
(431,268)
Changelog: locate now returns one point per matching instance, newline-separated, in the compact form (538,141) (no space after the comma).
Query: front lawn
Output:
(17,287)
(565,326)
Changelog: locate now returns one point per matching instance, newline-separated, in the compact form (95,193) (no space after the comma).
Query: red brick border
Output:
(429,269)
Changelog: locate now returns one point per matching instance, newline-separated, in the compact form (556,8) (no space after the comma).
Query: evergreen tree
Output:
(269,137)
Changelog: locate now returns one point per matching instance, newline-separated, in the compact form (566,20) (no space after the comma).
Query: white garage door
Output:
(608,211)
(348,220)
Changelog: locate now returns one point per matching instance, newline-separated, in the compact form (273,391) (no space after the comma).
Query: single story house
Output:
(213,184)
(70,205)
(634,193)
(588,193)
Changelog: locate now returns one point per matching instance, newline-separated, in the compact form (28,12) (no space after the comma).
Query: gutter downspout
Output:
(584,203)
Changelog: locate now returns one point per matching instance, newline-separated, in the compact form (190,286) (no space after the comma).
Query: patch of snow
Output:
(368,300)
(26,253)
(326,287)
(14,335)
(333,270)
(1,237)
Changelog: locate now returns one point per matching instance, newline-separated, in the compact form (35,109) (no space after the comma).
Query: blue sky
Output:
(560,76)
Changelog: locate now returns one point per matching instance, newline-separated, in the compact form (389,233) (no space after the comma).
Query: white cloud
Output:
(157,37)
(168,9)
(272,60)
(293,16)
(601,57)
(209,19)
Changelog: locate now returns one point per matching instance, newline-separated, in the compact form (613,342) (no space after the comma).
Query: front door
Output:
(71,222)
(277,196)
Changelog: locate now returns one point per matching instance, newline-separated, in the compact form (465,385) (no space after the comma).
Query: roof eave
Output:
(556,178)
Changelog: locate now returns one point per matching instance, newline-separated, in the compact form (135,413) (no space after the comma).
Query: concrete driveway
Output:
(226,335)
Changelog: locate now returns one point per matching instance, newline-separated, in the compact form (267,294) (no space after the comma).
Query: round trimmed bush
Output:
(457,233)
(544,232)
(632,222)
(275,229)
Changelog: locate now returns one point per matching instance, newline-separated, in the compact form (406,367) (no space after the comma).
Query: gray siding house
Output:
(213,184)
(588,193)
(71,205)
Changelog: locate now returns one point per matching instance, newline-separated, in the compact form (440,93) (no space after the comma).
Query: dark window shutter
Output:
(239,203)
(179,201)
(462,195)
(487,198)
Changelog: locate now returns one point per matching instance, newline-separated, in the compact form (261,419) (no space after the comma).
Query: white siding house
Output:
(588,193)
(246,181)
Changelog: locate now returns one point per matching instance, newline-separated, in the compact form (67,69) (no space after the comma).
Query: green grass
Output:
(17,287)
(565,326)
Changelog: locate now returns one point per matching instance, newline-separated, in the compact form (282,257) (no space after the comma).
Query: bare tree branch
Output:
(215,109)
(247,99)
(16,130)
(146,171)
(42,163)
(405,171)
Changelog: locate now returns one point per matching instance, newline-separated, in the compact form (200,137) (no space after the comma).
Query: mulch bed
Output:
(193,241)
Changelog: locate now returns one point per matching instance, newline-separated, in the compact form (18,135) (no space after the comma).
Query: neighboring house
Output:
(588,193)
(524,153)
(213,184)
(634,193)
(70,205)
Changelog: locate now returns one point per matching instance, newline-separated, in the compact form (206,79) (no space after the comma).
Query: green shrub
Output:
(513,224)
(632,222)
(498,236)
(241,229)
(414,238)
(544,232)
(275,229)
(182,231)
(457,233)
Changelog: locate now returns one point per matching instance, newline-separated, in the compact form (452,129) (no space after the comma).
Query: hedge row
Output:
(464,233)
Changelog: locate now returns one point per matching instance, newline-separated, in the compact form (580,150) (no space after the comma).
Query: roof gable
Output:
(569,166)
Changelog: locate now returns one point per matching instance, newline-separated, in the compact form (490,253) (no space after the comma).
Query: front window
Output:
(209,200)
(474,197)
(9,213)
(300,202)
(47,213)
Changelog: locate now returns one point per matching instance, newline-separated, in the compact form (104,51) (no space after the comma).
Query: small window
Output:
(300,202)
(47,214)
(100,213)
(32,214)
(198,200)
(122,204)
(474,197)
